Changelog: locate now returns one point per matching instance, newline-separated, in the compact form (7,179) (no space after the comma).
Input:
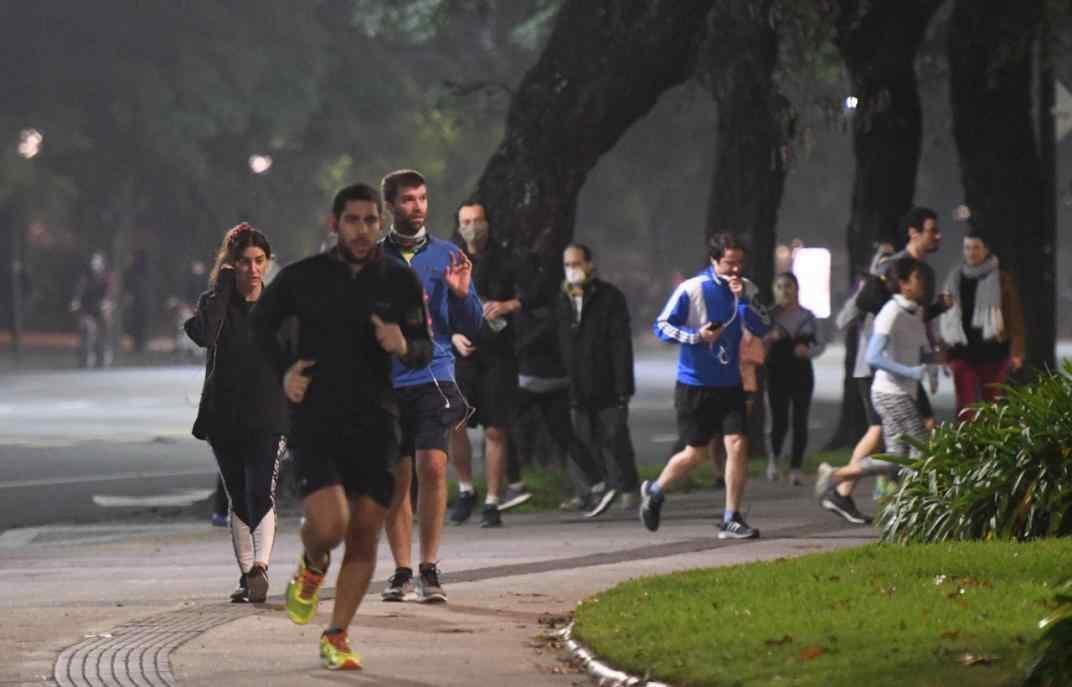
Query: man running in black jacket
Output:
(355,310)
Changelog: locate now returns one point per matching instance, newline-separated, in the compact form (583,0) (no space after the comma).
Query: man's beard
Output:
(349,256)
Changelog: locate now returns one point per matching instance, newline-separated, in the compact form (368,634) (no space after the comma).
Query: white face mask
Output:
(575,276)
(473,231)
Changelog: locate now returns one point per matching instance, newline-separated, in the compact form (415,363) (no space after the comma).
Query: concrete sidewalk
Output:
(129,605)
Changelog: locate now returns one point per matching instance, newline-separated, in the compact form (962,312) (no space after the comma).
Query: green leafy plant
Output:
(1005,475)
(1053,662)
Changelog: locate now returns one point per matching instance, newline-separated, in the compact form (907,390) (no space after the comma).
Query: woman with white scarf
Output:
(985,327)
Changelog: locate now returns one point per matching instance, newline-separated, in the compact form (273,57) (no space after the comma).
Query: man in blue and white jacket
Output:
(428,398)
(707,315)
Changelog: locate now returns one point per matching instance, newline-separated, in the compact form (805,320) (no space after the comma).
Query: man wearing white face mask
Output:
(486,369)
(596,343)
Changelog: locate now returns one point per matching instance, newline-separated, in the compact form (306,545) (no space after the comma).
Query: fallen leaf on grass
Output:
(976,660)
(810,653)
(950,634)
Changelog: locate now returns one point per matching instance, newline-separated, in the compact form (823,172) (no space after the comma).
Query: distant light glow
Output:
(851,102)
(962,213)
(260,164)
(30,141)
(812,269)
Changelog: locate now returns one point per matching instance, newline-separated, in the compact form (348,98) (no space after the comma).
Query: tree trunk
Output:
(991,55)
(605,64)
(754,125)
(878,41)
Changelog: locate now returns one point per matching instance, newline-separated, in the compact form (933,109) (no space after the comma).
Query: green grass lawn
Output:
(959,614)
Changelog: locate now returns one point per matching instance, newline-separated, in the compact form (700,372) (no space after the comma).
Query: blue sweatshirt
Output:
(448,313)
(697,301)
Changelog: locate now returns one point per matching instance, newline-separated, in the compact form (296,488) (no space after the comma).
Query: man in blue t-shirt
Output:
(707,315)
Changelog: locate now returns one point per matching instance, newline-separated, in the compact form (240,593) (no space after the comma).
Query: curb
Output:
(603,674)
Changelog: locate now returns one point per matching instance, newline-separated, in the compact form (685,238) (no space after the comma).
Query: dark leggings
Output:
(249,467)
(782,394)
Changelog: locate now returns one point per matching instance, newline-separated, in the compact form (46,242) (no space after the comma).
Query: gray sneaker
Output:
(513,497)
(737,529)
(650,507)
(429,591)
(399,586)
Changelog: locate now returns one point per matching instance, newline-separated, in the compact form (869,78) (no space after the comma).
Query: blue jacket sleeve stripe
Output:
(671,325)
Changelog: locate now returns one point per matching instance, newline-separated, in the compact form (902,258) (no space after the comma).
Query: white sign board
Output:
(811,266)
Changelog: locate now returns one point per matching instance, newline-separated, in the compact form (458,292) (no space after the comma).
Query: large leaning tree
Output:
(992,55)
(755,124)
(605,64)
(878,40)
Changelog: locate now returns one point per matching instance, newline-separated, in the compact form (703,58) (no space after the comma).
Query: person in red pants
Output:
(985,327)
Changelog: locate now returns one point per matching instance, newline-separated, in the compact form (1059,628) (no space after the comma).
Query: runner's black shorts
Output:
(358,459)
(427,412)
(863,386)
(489,384)
(705,412)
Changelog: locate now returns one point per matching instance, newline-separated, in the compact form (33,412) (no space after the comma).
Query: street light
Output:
(30,141)
(851,102)
(260,163)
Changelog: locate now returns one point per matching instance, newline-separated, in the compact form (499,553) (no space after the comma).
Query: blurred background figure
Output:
(793,340)
(138,300)
(93,304)
(985,327)
(596,344)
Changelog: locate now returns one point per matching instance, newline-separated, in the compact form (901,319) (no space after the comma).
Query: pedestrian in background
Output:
(984,329)
(596,342)
(242,413)
(93,304)
(793,341)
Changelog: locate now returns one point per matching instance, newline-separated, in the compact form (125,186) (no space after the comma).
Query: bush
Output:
(1006,475)
(1052,666)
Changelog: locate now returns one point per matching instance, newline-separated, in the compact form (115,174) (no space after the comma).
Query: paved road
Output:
(68,436)
(120,604)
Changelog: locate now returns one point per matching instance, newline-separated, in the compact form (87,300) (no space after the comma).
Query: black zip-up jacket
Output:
(332,307)
(494,275)
(598,350)
(241,394)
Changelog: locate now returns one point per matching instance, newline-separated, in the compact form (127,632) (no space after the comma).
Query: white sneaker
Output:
(824,477)
(772,471)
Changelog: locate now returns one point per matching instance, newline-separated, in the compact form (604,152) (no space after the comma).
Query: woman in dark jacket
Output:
(243,411)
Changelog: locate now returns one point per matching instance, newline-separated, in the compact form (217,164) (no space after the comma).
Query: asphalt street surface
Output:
(82,446)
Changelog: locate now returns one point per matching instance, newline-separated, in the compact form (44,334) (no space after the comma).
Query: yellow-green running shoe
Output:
(303,591)
(336,653)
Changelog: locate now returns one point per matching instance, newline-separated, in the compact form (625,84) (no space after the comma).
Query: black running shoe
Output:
(844,506)
(463,507)
(490,516)
(737,528)
(241,593)
(399,585)
(609,496)
(650,507)
(428,588)
(257,583)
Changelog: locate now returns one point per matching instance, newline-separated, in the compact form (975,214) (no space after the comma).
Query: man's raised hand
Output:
(458,274)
